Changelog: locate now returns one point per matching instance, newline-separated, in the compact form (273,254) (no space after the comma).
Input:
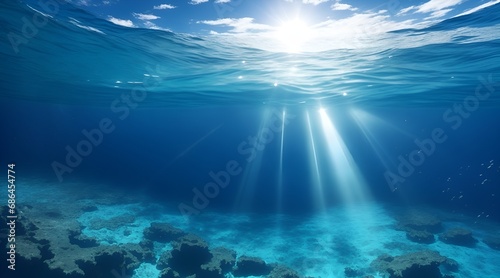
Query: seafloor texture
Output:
(79,230)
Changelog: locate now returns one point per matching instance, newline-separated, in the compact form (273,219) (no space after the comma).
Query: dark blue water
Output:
(84,100)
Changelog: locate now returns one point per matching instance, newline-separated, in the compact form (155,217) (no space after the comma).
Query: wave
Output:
(75,57)
(489,16)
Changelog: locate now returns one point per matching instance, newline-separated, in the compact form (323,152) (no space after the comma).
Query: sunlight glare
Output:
(293,34)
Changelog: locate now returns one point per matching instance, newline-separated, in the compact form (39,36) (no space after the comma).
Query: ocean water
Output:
(319,161)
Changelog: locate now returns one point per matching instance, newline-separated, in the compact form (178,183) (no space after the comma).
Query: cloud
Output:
(440,13)
(164,7)
(92,3)
(437,5)
(145,16)
(406,10)
(313,2)
(480,7)
(196,2)
(365,29)
(222,1)
(238,25)
(342,7)
(122,22)
(437,8)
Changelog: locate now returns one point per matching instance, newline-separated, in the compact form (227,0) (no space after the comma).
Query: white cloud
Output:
(122,22)
(342,7)
(239,25)
(480,7)
(437,5)
(222,1)
(145,16)
(164,7)
(369,29)
(406,10)
(437,8)
(196,2)
(314,2)
(92,3)
(440,13)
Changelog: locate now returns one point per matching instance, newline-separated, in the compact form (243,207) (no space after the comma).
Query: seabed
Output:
(82,230)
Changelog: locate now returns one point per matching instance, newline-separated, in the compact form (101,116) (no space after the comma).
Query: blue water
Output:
(302,133)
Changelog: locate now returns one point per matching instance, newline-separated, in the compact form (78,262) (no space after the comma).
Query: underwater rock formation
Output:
(492,242)
(280,271)
(458,236)
(222,262)
(419,236)
(351,272)
(451,265)
(167,272)
(412,265)
(419,221)
(162,232)
(251,266)
(76,238)
(50,244)
(44,249)
(188,254)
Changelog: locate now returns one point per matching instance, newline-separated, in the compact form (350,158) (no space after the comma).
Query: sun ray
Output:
(349,182)
(316,180)
(280,174)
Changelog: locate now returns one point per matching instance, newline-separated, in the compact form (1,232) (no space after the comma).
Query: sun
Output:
(293,35)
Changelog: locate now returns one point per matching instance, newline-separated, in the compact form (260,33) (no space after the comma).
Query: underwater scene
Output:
(250,138)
